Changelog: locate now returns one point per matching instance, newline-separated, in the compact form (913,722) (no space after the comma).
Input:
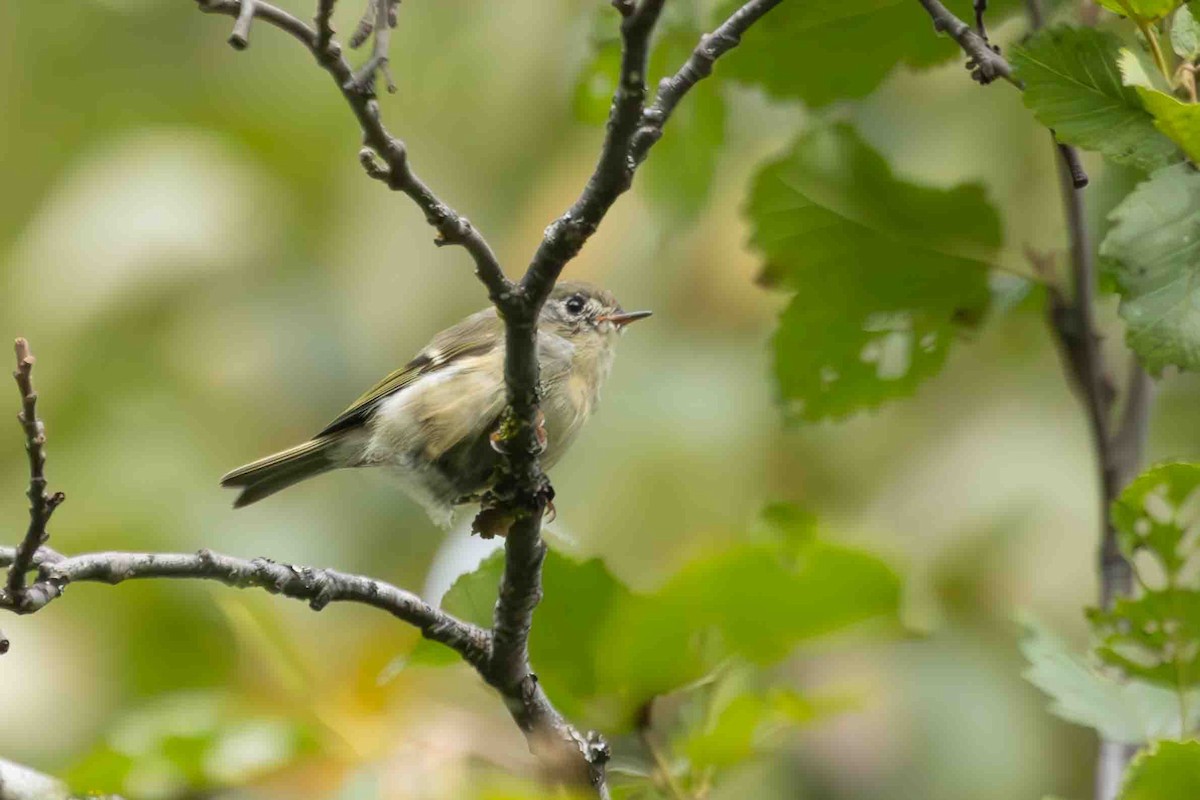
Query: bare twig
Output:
(698,66)
(451,227)
(363,79)
(41,505)
(984,61)
(324,23)
(240,38)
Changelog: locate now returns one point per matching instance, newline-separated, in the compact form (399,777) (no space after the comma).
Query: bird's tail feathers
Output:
(274,473)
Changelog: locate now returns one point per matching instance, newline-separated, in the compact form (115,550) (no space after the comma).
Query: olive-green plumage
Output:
(430,421)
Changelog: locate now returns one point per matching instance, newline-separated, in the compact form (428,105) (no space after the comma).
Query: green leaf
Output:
(821,51)
(1073,86)
(748,723)
(1152,252)
(1123,711)
(1167,771)
(1178,120)
(193,741)
(1155,637)
(597,82)
(472,598)
(754,602)
(1185,34)
(1149,10)
(679,173)
(603,652)
(884,272)
(826,50)
(1157,510)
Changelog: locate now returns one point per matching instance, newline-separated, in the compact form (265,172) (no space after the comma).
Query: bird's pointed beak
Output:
(623,319)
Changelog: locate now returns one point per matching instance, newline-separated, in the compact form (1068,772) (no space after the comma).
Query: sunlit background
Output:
(206,276)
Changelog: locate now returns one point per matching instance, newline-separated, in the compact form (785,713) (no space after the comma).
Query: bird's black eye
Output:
(575,304)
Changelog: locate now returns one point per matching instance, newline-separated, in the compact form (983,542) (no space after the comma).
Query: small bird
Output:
(430,422)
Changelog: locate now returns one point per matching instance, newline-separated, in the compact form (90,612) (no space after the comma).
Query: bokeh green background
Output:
(206,276)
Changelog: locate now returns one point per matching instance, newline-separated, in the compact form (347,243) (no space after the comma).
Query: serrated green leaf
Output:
(1149,10)
(1167,771)
(1156,635)
(885,272)
(1185,34)
(1122,711)
(1152,252)
(1073,86)
(1178,120)
(1137,70)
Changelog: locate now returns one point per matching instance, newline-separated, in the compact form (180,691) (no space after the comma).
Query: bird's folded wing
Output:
(475,335)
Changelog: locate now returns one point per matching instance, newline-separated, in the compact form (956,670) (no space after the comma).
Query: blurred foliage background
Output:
(206,276)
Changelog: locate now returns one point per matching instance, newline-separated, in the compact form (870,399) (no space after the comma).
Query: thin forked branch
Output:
(41,504)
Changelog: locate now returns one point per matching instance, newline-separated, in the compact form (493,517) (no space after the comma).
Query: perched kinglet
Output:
(431,420)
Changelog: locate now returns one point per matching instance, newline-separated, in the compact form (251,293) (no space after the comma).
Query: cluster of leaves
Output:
(1101,94)
(697,644)
(1143,682)
(886,273)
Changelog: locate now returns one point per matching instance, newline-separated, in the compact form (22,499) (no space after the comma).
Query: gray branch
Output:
(452,228)
(317,587)
(984,61)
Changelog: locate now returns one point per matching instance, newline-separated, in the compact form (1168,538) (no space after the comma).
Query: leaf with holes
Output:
(1156,636)
(1073,86)
(1159,512)
(1152,253)
(885,273)
(1167,771)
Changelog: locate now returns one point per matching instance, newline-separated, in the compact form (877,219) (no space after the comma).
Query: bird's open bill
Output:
(621,320)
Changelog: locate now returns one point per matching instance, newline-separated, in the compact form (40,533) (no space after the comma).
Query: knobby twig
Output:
(986,64)
(500,655)
(984,61)
(324,22)
(240,38)
(41,505)
(698,66)
(383,16)
(452,228)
